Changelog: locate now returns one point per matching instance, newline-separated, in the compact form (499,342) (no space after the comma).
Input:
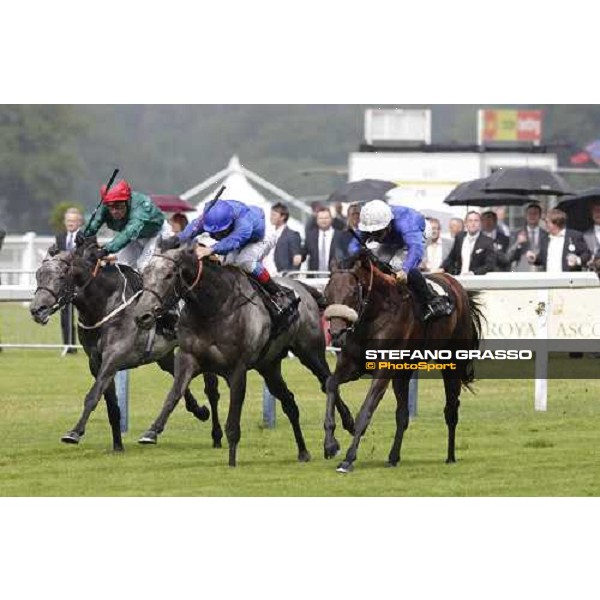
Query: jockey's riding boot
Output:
(281,301)
(432,305)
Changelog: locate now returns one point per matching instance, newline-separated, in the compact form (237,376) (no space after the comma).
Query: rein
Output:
(70,291)
(187,289)
(124,302)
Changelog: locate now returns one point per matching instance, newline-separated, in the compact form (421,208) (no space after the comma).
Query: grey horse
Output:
(225,328)
(105,299)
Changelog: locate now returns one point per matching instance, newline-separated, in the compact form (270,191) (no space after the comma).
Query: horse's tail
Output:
(477,319)
(316,294)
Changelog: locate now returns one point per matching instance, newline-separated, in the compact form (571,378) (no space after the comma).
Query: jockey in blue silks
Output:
(240,233)
(400,228)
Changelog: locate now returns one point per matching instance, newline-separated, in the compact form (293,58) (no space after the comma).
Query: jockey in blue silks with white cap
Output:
(400,228)
(240,233)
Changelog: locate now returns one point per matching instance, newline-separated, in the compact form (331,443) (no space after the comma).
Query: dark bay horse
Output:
(366,305)
(225,328)
(105,299)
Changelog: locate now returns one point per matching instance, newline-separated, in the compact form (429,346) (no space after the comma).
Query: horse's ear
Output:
(170,243)
(53,250)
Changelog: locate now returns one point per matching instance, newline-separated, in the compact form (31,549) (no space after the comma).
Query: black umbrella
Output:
(527,180)
(471,193)
(362,191)
(579,208)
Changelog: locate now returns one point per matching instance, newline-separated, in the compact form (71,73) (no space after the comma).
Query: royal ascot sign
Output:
(558,314)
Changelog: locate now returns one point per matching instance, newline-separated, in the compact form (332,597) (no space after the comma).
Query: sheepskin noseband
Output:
(341,311)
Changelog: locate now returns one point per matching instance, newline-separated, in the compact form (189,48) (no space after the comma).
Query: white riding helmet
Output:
(374,216)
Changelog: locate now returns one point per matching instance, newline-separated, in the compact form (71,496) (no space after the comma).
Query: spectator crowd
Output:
(479,244)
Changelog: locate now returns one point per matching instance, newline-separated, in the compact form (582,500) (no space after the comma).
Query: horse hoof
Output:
(70,438)
(304,456)
(345,467)
(118,449)
(150,437)
(390,464)
(217,444)
(331,451)
(202,414)
(450,461)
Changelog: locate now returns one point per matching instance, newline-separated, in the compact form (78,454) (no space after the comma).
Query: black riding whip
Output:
(108,186)
(214,200)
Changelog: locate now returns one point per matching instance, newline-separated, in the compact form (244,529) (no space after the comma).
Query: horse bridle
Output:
(70,290)
(184,290)
(363,299)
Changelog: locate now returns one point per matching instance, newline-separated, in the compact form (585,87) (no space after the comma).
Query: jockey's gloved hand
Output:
(102,253)
(170,243)
(401,277)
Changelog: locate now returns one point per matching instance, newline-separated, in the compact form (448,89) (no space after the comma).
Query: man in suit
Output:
(321,242)
(525,249)
(456,226)
(592,235)
(344,240)
(287,254)
(564,249)
(436,250)
(489,228)
(472,252)
(66,241)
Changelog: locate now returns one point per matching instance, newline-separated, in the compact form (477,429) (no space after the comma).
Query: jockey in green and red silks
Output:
(137,220)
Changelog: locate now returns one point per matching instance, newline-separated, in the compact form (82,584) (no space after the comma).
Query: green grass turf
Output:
(504,448)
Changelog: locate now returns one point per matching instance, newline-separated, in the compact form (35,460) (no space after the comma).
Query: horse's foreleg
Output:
(167,363)
(452,387)
(211,389)
(280,390)
(374,396)
(104,374)
(114,415)
(345,370)
(186,368)
(317,364)
(237,389)
(402,418)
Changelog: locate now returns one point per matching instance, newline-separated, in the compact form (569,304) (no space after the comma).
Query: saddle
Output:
(283,309)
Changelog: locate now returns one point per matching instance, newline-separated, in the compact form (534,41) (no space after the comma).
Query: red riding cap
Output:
(120,192)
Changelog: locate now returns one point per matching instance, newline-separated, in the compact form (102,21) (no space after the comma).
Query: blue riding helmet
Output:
(218,218)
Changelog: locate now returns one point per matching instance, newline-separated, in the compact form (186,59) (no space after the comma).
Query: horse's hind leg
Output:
(401,391)
(186,368)
(167,363)
(211,389)
(452,387)
(374,396)
(114,415)
(278,387)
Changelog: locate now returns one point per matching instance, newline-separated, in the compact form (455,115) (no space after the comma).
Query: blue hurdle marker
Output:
(122,387)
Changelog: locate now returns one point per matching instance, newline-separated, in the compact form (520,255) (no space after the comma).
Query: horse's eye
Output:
(169,276)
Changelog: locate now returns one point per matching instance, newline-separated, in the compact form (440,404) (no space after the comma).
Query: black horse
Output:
(367,306)
(105,299)
(225,328)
